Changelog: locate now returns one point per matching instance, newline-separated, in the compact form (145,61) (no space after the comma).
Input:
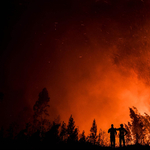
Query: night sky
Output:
(93,56)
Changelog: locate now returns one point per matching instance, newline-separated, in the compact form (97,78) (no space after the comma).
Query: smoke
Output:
(106,68)
(92,56)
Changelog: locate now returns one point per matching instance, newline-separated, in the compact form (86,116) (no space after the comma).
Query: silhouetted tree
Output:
(82,138)
(93,135)
(40,108)
(74,136)
(52,136)
(72,130)
(101,138)
(71,125)
(63,132)
(142,131)
(137,125)
(134,118)
(98,139)
(146,122)
(128,139)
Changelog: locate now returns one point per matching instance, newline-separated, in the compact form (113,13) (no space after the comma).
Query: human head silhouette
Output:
(112,126)
(121,125)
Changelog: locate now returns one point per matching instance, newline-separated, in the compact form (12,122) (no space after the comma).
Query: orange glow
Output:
(105,93)
(92,56)
(97,86)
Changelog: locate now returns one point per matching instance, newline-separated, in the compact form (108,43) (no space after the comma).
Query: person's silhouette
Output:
(122,133)
(112,132)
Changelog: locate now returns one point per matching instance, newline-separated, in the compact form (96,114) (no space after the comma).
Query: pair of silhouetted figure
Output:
(122,133)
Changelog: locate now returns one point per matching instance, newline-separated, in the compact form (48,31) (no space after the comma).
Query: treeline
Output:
(40,133)
(43,134)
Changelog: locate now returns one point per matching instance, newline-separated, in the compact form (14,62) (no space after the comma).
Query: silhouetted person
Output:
(112,132)
(122,133)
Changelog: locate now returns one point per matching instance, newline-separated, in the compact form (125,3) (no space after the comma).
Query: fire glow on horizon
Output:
(92,56)
(106,96)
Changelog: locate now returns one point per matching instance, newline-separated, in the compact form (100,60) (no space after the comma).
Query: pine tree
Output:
(99,139)
(72,131)
(74,136)
(40,109)
(71,125)
(63,132)
(82,138)
(93,134)
(53,134)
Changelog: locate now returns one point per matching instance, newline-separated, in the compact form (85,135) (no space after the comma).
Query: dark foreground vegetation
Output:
(16,144)
(40,133)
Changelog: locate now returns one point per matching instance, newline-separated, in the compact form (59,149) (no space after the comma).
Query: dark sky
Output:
(91,55)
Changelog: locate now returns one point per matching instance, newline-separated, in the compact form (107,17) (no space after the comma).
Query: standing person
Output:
(112,132)
(122,133)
